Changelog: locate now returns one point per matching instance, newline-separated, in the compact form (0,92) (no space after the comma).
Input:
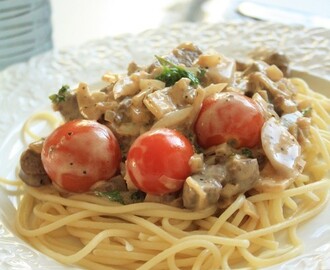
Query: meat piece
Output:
(69,108)
(273,57)
(185,54)
(170,199)
(200,192)
(203,189)
(115,183)
(32,171)
(242,174)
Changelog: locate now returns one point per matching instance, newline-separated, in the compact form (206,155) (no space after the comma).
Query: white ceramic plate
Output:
(25,88)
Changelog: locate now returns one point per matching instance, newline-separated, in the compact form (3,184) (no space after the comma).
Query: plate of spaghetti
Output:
(185,155)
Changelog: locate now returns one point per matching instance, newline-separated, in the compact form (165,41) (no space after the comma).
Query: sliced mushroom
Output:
(281,148)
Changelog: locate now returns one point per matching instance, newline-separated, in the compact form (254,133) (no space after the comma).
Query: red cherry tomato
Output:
(158,161)
(80,153)
(229,117)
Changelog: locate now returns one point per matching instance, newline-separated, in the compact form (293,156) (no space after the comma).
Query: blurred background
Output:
(31,27)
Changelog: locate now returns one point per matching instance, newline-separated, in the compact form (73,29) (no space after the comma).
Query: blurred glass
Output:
(25,30)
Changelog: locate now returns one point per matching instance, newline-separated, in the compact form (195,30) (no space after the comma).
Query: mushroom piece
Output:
(32,170)
(281,148)
(272,57)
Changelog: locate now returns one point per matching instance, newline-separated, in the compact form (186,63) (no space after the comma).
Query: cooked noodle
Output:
(255,231)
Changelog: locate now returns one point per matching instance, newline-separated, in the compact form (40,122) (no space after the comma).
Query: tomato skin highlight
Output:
(80,153)
(158,161)
(229,117)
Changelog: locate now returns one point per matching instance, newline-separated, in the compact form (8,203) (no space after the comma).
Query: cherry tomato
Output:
(80,153)
(158,161)
(229,117)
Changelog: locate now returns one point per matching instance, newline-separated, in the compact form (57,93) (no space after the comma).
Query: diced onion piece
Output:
(274,73)
(129,129)
(87,102)
(125,87)
(214,88)
(159,103)
(173,119)
(110,77)
(208,60)
(151,83)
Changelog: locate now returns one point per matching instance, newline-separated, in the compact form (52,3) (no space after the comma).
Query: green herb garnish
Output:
(247,152)
(138,196)
(307,112)
(113,195)
(201,73)
(60,96)
(172,73)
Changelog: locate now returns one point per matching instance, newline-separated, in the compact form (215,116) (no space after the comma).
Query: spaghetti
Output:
(257,229)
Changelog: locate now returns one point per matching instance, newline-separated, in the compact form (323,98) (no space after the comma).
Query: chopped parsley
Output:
(60,96)
(138,196)
(247,152)
(113,195)
(307,112)
(172,73)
